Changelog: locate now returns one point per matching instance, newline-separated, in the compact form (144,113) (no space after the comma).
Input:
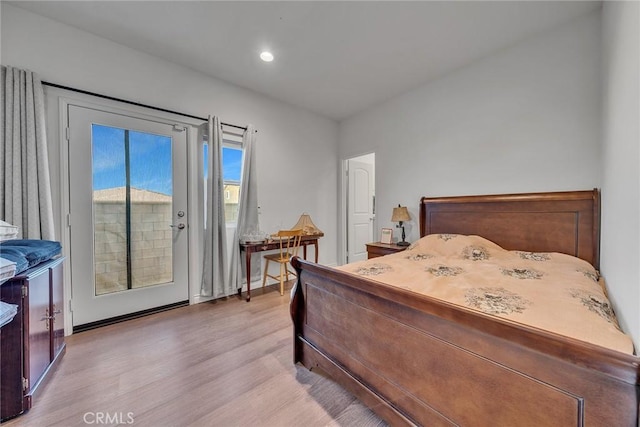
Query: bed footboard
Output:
(416,360)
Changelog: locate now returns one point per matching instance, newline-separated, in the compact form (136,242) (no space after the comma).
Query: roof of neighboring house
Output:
(118,195)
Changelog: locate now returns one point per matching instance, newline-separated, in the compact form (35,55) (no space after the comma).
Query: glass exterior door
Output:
(128,214)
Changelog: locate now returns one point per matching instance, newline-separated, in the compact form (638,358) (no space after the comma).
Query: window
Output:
(132,202)
(231,174)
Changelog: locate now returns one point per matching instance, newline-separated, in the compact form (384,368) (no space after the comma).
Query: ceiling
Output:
(333,58)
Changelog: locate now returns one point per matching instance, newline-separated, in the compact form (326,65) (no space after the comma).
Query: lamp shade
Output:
(400,214)
(307,226)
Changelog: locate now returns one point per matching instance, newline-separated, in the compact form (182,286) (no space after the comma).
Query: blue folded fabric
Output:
(15,255)
(29,253)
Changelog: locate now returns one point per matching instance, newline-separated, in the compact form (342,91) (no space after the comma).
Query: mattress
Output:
(29,253)
(553,292)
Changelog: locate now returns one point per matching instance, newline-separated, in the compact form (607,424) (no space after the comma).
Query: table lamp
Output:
(400,215)
(307,226)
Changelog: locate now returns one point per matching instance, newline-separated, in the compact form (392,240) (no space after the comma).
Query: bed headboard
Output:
(566,222)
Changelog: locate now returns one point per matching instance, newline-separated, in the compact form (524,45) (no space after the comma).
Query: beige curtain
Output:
(25,186)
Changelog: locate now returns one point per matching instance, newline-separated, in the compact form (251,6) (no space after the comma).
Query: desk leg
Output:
(304,250)
(248,262)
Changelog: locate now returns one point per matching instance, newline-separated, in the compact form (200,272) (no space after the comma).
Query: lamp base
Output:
(403,243)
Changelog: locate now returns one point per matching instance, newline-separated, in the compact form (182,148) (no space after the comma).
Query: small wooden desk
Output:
(249,248)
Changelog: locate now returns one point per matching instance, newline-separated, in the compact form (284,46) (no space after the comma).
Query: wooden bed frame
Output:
(416,360)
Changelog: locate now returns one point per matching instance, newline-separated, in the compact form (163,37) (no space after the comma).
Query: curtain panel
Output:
(25,184)
(215,266)
(247,208)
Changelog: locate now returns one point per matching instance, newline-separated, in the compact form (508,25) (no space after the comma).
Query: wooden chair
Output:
(289,245)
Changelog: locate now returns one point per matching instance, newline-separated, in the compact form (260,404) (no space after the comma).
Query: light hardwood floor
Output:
(227,363)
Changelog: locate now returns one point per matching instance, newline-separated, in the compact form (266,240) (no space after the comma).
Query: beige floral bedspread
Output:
(551,291)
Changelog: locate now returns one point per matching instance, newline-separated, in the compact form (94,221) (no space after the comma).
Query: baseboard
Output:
(125,317)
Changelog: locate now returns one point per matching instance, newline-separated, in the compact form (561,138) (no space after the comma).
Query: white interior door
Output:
(128,219)
(360,209)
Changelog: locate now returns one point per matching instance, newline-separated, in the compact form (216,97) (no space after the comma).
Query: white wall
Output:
(296,150)
(524,119)
(620,262)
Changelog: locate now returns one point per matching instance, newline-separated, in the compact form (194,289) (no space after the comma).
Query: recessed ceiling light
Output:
(266,56)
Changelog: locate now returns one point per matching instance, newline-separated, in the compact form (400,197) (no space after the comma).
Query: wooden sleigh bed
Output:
(417,360)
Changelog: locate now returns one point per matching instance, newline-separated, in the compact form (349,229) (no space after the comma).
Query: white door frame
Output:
(59,99)
(344,191)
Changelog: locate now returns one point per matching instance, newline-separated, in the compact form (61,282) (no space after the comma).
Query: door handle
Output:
(179,226)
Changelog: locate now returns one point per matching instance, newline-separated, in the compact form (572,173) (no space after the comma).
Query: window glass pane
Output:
(109,210)
(232,164)
(231,173)
(132,194)
(231,170)
(151,206)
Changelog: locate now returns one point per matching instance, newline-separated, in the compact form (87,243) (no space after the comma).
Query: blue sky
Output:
(150,157)
(231,163)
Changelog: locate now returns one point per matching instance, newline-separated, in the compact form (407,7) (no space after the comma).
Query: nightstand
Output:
(377,249)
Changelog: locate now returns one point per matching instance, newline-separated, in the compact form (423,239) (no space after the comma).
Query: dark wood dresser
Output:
(33,342)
